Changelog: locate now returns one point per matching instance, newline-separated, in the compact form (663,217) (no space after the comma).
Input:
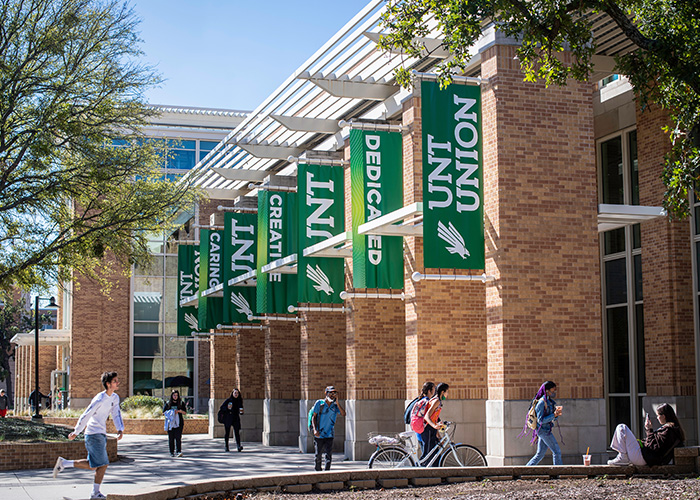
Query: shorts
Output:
(96,446)
(3,413)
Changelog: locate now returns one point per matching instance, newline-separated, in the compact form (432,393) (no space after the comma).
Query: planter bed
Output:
(152,426)
(15,455)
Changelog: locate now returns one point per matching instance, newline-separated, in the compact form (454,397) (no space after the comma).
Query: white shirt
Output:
(95,416)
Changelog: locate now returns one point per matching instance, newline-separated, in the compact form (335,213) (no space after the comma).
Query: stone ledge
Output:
(25,456)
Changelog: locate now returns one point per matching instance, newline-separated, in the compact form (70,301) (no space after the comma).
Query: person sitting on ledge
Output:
(658,445)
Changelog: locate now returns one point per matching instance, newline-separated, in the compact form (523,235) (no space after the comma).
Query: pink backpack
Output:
(418,415)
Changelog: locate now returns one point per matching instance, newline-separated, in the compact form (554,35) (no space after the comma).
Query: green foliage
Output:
(664,69)
(71,87)
(14,319)
(144,402)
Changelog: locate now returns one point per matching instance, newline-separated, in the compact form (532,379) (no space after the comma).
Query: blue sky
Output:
(233,53)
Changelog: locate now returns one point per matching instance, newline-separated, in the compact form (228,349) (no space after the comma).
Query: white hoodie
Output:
(95,416)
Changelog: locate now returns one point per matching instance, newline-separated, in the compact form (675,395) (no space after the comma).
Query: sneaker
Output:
(620,459)
(172,454)
(179,454)
(97,496)
(59,467)
(240,448)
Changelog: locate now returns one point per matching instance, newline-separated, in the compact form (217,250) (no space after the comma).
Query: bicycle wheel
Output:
(390,457)
(463,455)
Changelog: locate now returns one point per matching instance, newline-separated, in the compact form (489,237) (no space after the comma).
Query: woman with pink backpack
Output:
(418,411)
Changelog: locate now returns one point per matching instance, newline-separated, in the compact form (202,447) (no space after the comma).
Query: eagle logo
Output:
(241,304)
(191,321)
(454,240)
(323,284)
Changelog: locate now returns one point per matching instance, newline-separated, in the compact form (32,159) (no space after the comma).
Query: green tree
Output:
(664,68)
(79,187)
(14,319)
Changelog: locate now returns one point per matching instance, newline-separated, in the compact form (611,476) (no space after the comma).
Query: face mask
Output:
(443,398)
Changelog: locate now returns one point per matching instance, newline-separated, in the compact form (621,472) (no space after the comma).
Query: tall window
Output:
(621,255)
(696,256)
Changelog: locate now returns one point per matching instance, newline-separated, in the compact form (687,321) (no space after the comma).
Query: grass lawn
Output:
(27,431)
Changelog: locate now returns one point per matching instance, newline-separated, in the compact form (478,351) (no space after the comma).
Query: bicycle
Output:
(402,452)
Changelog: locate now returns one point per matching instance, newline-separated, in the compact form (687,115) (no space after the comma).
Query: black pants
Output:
(236,433)
(175,440)
(323,445)
(430,440)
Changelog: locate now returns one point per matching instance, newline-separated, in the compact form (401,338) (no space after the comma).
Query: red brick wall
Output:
(250,364)
(666,272)
(23,456)
(322,353)
(222,368)
(540,200)
(282,361)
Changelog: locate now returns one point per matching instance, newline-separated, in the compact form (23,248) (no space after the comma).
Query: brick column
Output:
(250,373)
(322,364)
(445,320)
(222,378)
(667,284)
(543,314)
(282,393)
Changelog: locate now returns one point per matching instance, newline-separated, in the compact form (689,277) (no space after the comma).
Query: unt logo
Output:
(241,304)
(451,236)
(323,284)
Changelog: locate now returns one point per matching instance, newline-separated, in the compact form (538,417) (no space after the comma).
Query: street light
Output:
(52,305)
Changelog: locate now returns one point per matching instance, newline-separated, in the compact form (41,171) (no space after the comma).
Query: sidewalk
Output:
(145,462)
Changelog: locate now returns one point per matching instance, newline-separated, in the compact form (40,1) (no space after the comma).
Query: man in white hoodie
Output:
(94,421)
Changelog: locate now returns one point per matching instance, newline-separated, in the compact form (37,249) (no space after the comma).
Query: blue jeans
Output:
(545,441)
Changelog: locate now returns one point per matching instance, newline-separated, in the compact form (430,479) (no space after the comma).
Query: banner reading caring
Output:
(321,210)
(211,309)
(453,212)
(240,247)
(376,173)
(188,283)
(276,239)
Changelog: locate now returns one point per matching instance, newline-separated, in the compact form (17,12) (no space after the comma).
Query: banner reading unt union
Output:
(453,213)
(211,309)
(376,173)
(276,239)
(188,283)
(240,246)
(321,195)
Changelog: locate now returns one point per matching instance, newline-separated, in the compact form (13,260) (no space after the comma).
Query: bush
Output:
(147,403)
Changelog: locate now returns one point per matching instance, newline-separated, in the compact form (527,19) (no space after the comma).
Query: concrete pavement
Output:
(145,462)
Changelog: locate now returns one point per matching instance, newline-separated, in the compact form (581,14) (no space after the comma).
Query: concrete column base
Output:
(684,406)
(582,425)
(251,420)
(306,439)
(470,417)
(365,416)
(280,422)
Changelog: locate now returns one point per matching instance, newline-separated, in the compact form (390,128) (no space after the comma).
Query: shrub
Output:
(148,403)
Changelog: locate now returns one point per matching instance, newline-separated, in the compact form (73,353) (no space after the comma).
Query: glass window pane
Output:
(636,236)
(611,157)
(171,266)
(697,220)
(147,306)
(182,144)
(616,282)
(614,241)
(171,299)
(142,327)
(638,278)
(634,174)
(207,145)
(697,264)
(181,160)
(148,346)
(148,376)
(154,269)
(176,348)
(641,359)
(619,412)
(618,350)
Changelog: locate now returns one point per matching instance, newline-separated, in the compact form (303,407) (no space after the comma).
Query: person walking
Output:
(429,437)
(325,412)
(178,411)
(4,403)
(658,444)
(94,422)
(419,410)
(547,414)
(231,411)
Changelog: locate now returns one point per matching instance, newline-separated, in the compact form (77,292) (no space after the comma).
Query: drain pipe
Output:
(371,295)
(342,309)
(272,318)
(241,327)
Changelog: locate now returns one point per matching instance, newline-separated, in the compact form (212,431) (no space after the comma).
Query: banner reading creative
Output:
(211,309)
(376,173)
(276,239)
(453,211)
(321,216)
(240,249)
(188,284)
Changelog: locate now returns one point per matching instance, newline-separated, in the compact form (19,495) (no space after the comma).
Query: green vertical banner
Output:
(453,212)
(187,285)
(240,245)
(277,238)
(376,174)
(211,274)
(321,209)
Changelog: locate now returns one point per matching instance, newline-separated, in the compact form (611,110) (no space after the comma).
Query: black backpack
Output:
(409,410)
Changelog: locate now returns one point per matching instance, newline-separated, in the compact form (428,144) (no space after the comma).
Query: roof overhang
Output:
(616,216)
(46,338)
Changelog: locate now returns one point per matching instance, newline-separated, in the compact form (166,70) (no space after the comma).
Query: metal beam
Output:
(216,291)
(327,248)
(285,265)
(247,279)
(240,174)
(301,124)
(224,194)
(431,47)
(270,151)
(192,301)
(616,216)
(354,88)
(386,224)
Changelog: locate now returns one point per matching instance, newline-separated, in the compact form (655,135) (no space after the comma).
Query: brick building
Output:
(586,281)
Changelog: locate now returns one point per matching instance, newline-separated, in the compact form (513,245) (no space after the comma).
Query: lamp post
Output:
(52,305)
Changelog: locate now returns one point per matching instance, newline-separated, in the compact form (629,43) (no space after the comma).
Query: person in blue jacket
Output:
(547,413)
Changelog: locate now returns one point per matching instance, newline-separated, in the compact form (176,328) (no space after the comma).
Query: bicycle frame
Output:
(436,453)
